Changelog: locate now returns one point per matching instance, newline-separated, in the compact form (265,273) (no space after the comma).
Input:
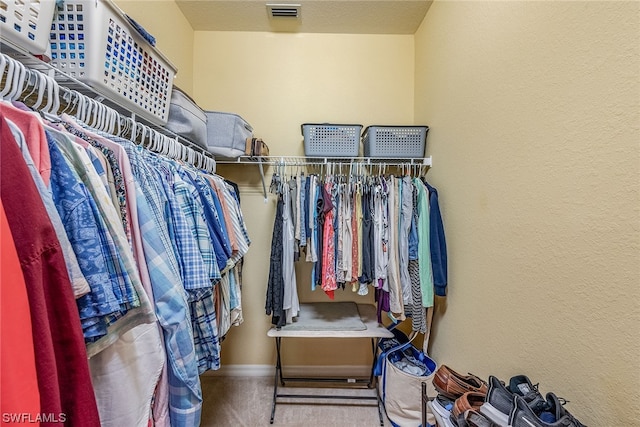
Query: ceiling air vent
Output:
(283,10)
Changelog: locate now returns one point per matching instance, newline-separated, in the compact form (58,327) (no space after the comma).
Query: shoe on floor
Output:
(500,399)
(441,408)
(474,418)
(453,385)
(471,400)
(523,416)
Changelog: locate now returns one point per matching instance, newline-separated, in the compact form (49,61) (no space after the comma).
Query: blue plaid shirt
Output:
(211,205)
(200,228)
(194,272)
(172,311)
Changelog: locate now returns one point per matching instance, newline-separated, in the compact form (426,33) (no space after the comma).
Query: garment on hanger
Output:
(140,255)
(361,231)
(39,171)
(18,372)
(61,360)
(274,305)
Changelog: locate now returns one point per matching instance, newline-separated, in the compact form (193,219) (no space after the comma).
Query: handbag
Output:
(256,147)
(403,370)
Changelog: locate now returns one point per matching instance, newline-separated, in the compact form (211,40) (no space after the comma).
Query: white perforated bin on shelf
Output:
(93,42)
(394,141)
(26,23)
(331,140)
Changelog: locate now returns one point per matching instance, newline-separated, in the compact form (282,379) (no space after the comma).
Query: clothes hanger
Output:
(56,97)
(111,120)
(133,129)
(31,84)
(102,116)
(9,78)
(148,139)
(42,87)
(100,125)
(3,66)
(52,95)
(69,96)
(18,81)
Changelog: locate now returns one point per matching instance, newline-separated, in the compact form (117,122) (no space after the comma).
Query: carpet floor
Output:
(246,401)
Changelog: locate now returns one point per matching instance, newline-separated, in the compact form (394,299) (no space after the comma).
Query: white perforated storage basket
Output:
(331,140)
(26,23)
(94,42)
(394,141)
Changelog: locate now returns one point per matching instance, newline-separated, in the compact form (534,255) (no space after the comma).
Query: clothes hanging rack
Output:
(319,161)
(54,91)
(324,162)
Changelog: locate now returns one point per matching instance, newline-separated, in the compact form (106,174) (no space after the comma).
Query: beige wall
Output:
(277,82)
(174,35)
(534,115)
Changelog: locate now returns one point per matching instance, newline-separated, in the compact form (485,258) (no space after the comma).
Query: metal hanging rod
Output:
(319,161)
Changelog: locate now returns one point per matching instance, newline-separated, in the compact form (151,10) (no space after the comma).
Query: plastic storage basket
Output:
(94,42)
(394,141)
(26,23)
(331,140)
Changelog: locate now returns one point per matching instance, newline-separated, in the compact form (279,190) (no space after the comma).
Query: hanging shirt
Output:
(275,283)
(18,376)
(172,311)
(31,127)
(78,281)
(437,243)
(424,249)
(116,178)
(128,276)
(290,303)
(62,369)
(381,233)
(393,271)
(329,283)
(406,215)
(90,239)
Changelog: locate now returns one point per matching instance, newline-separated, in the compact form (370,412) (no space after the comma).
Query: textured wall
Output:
(535,118)
(277,82)
(174,35)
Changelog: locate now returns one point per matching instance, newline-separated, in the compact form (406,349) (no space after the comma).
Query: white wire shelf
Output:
(318,161)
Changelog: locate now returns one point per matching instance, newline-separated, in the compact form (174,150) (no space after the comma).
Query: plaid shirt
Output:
(193,209)
(172,311)
(201,229)
(211,206)
(172,308)
(195,274)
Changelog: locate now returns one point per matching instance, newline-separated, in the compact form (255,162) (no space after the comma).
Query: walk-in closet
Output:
(483,274)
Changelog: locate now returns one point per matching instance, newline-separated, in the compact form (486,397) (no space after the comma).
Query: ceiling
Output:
(316,16)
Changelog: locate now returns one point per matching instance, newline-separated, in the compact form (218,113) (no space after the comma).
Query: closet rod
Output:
(319,161)
(34,65)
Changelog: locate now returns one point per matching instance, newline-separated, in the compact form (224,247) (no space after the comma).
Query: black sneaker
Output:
(523,416)
(499,401)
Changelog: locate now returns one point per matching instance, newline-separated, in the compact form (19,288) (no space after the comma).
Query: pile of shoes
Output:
(469,401)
